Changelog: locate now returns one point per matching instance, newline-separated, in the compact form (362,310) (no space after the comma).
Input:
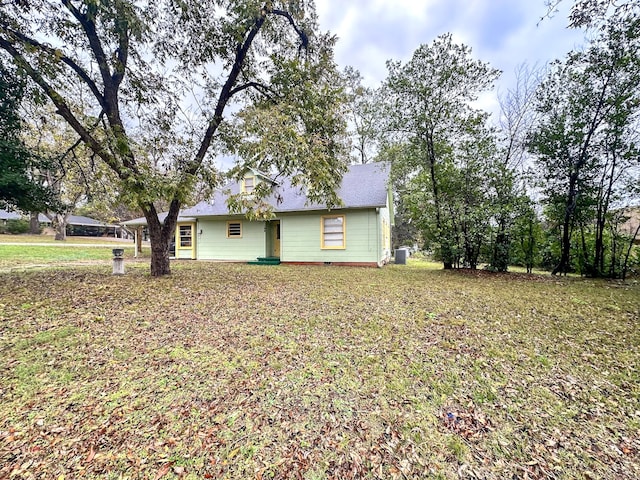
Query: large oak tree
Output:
(160,78)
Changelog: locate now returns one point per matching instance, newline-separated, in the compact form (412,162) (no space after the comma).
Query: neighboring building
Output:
(358,233)
(5,216)
(78,225)
(630,226)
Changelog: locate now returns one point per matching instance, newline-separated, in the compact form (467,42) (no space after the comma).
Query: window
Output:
(234,229)
(333,232)
(185,235)
(248,184)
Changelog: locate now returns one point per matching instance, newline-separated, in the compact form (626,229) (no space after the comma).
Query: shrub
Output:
(17,226)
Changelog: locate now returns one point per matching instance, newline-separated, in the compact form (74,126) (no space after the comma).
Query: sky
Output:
(504,33)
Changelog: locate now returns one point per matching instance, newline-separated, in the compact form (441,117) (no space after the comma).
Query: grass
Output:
(38,250)
(233,371)
(70,240)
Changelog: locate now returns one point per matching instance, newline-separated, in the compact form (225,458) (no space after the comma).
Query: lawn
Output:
(70,240)
(19,252)
(242,372)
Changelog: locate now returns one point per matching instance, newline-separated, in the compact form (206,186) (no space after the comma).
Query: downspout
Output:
(378,239)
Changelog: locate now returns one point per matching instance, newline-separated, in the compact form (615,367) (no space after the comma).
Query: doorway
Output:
(275,238)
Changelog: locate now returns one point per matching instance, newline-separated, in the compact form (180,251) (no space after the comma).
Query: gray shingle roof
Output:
(77,220)
(363,186)
(161,216)
(6,215)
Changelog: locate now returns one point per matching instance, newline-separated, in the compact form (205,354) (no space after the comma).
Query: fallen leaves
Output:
(224,371)
(468,422)
(163,471)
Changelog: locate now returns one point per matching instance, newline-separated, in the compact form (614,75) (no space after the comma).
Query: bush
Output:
(17,226)
(633,267)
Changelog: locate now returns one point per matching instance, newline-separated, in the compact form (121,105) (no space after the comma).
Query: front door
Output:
(184,244)
(275,231)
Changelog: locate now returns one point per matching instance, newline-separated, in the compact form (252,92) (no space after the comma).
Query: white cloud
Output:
(505,33)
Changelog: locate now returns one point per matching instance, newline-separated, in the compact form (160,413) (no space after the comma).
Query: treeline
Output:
(552,185)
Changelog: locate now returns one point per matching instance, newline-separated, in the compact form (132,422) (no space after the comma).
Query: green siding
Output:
(300,238)
(213,243)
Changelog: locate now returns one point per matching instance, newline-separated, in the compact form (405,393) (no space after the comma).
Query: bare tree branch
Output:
(63,109)
(84,76)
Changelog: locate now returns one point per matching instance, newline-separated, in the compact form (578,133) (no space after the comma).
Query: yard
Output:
(25,252)
(243,372)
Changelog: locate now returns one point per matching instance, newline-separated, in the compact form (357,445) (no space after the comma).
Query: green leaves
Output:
(20,183)
(587,130)
(298,130)
(448,152)
(162,77)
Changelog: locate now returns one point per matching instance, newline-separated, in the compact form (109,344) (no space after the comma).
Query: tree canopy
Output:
(147,86)
(429,109)
(586,140)
(19,183)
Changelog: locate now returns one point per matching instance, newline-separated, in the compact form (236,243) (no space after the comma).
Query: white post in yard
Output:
(118,261)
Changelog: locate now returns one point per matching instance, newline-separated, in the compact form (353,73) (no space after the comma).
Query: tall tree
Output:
(143,65)
(365,117)
(587,104)
(19,183)
(429,107)
(506,177)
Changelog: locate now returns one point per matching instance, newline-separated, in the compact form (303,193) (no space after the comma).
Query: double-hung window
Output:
(185,236)
(248,184)
(333,232)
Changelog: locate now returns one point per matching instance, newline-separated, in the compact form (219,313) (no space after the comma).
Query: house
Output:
(357,233)
(5,216)
(85,226)
(631,225)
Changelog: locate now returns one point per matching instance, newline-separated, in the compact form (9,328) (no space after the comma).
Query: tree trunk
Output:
(598,261)
(59,224)
(446,250)
(586,269)
(614,253)
(160,239)
(565,245)
(625,264)
(160,258)
(160,235)
(34,224)
(138,239)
